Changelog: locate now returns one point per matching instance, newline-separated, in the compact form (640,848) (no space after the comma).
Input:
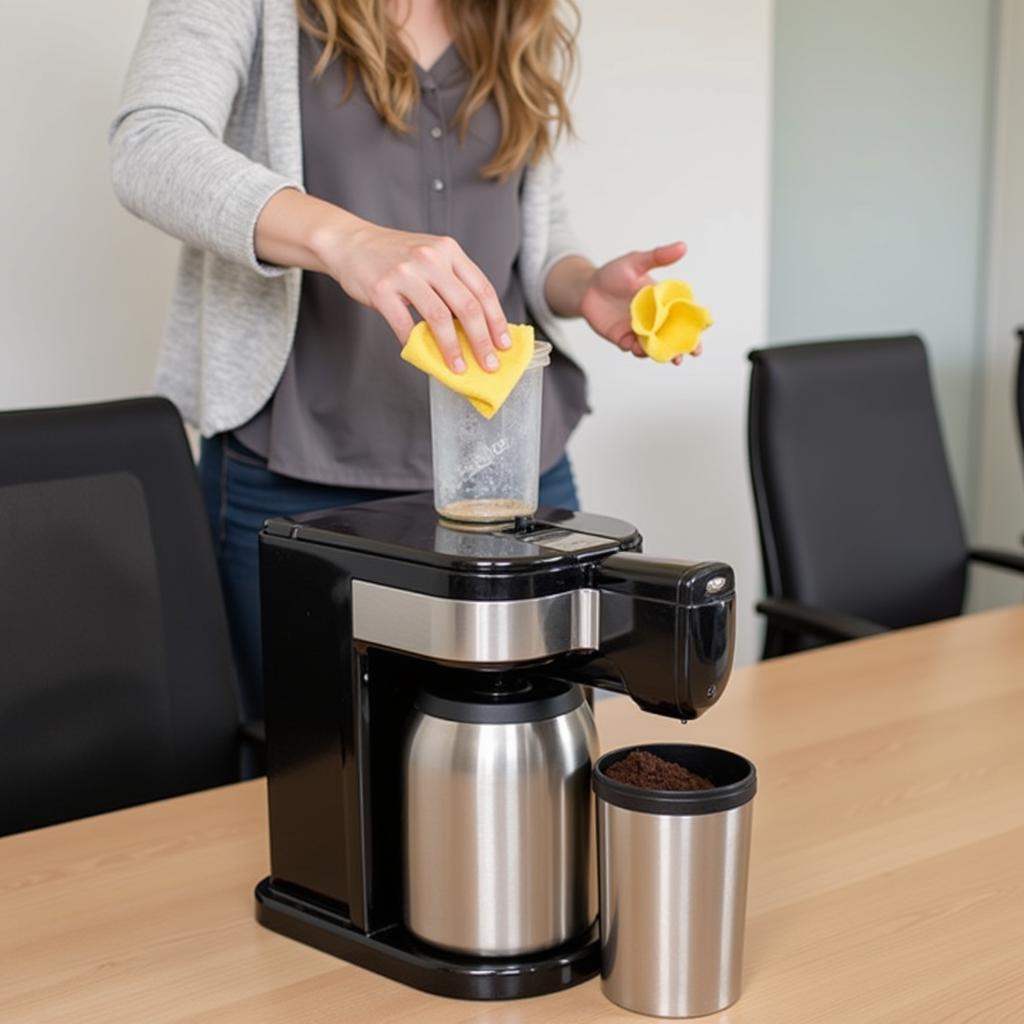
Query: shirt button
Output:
(437,185)
(435,132)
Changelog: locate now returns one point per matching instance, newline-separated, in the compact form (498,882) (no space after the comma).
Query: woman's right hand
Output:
(389,271)
(392,270)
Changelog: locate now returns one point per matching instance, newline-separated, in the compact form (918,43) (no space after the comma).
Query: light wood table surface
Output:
(887,874)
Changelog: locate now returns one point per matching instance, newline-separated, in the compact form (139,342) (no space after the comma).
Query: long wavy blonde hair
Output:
(520,52)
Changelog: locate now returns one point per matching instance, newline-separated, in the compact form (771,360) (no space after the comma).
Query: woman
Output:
(399,152)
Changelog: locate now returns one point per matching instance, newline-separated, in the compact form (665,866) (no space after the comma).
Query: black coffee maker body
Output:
(377,614)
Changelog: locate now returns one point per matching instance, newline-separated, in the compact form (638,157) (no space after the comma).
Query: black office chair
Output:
(116,679)
(859,524)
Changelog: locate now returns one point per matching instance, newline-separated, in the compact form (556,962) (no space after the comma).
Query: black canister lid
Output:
(734,778)
(528,701)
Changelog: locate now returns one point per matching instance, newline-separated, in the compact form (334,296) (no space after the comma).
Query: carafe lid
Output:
(524,700)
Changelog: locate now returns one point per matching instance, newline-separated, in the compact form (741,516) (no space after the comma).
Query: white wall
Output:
(673,115)
(999,510)
(880,184)
(83,287)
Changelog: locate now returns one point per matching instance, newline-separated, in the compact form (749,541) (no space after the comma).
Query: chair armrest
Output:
(1002,559)
(825,624)
(253,734)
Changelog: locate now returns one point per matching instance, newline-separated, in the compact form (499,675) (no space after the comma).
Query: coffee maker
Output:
(428,747)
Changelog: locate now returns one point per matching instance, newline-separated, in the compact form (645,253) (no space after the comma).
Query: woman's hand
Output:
(389,271)
(601,295)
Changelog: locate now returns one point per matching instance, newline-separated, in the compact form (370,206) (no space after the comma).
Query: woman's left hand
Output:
(601,295)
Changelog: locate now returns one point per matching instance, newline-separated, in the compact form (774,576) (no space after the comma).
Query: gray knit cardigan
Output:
(208,131)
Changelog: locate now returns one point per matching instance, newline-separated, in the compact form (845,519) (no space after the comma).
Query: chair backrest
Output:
(855,504)
(116,681)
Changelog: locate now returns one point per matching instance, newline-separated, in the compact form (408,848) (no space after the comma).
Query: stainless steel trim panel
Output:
(475,632)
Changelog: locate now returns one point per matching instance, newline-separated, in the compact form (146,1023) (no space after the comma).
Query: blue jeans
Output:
(240,493)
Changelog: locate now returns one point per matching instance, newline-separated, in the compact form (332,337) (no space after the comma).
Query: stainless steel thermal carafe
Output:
(498,821)
(672,872)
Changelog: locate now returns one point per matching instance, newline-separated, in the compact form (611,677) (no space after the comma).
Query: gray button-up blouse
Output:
(347,411)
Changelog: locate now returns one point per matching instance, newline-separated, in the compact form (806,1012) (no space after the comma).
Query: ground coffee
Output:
(645,770)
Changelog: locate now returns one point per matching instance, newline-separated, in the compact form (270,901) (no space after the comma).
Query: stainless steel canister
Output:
(498,822)
(672,870)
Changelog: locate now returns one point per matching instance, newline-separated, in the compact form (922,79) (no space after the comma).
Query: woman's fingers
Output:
(467,307)
(678,361)
(438,316)
(473,278)
(396,313)
(629,342)
(660,256)
(433,275)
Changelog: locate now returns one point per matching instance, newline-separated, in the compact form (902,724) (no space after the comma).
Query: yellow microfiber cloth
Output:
(487,391)
(666,320)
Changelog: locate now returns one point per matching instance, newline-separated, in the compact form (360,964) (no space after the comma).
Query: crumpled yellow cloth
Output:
(666,320)
(486,391)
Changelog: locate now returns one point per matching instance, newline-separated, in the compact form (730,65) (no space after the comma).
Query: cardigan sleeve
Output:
(560,238)
(171,164)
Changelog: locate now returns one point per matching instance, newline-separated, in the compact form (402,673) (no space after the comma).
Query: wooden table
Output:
(887,878)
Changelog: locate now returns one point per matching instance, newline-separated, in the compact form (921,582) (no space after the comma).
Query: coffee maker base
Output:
(395,953)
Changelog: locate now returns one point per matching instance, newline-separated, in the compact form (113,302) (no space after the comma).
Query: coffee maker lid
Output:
(408,528)
(533,700)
